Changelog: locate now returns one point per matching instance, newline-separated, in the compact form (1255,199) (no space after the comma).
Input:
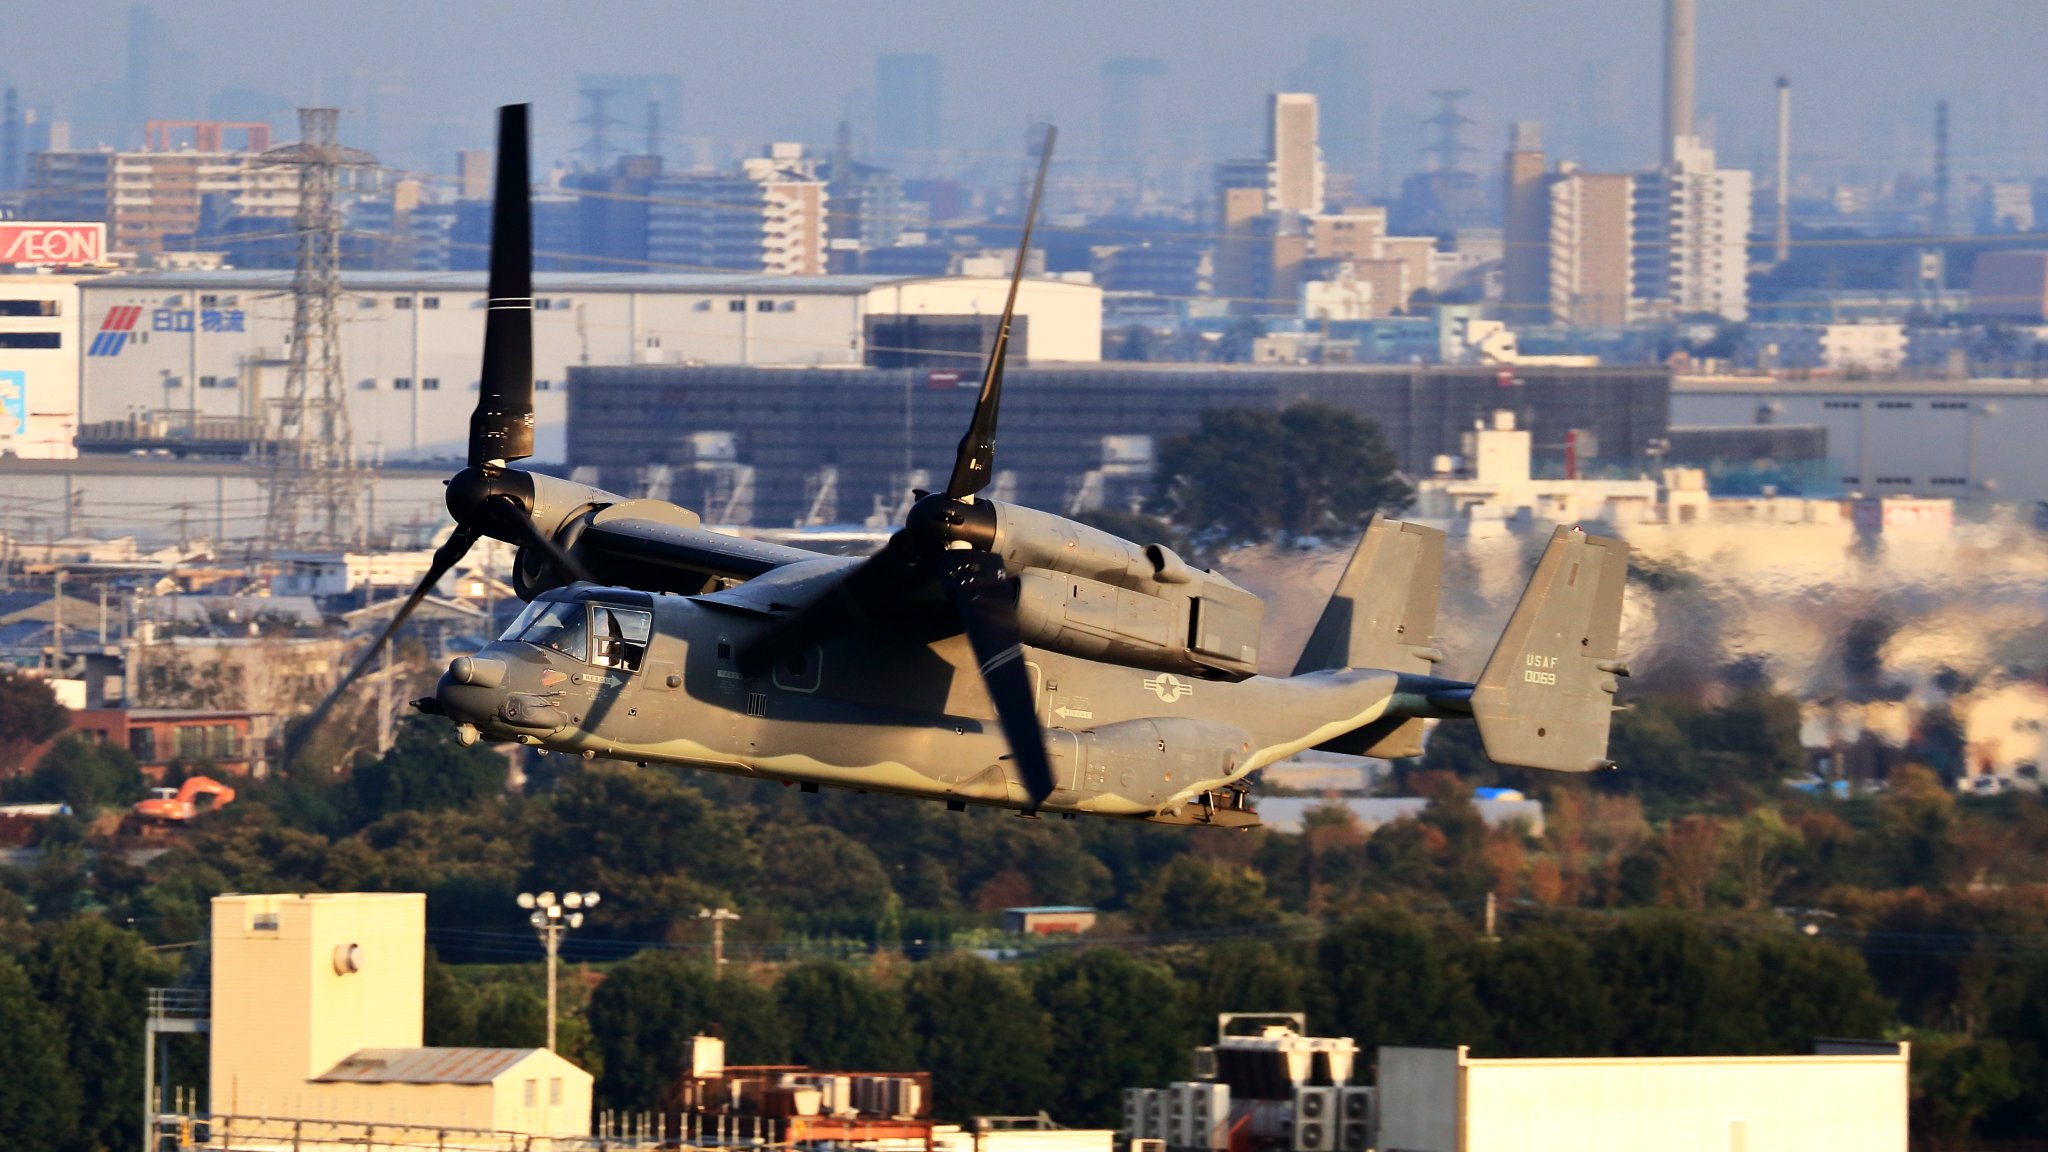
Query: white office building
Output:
(1691,235)
(39,357)
(204,354)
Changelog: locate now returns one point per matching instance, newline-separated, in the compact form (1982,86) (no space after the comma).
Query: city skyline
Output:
(1590,74)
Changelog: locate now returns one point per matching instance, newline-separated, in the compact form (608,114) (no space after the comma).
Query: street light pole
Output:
(718,917)
(550,918)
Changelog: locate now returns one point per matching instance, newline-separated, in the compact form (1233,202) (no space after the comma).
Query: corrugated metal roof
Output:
(425,1065)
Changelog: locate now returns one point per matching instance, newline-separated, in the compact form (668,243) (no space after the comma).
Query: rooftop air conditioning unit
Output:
(1358,1118)
(1208,1105)
(1135,1117)
(1315,1119)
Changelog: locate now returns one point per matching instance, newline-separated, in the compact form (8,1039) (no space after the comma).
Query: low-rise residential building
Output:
(1834,348)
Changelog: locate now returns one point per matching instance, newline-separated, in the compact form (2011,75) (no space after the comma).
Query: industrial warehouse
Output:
(313,1024)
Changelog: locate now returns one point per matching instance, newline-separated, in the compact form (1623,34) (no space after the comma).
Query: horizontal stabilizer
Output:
(1547,694)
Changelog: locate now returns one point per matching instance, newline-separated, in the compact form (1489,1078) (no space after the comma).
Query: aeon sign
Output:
(43,242)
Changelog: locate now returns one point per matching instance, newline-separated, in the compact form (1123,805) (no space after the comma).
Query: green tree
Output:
(642,1018)
(1249,975)
(427,770)
(1543,995)
(448,1008)
(39,1108)
(1957,1081)
(1116,1022)
(29,715)
(83,774)
(1251,474)
(1675,991)
(1813,988)
(1390,983)
(98,977)
(511,1014)
(1194,892)
(985,1039)
(837,1018)
(652,846)
(814,870)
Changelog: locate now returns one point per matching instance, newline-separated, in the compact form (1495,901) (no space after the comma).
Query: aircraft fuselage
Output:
(651,678)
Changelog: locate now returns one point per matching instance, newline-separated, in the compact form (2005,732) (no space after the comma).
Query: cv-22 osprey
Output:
(989,653)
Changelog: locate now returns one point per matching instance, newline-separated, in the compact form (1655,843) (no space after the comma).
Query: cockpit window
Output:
(551,624)
(621,635)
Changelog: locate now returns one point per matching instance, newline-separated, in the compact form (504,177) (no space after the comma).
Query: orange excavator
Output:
(176,806)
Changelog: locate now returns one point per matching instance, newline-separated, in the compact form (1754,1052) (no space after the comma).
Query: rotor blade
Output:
(988,609)
(517,519)
(863,596)
(501,428)
(446,557)
(974,462)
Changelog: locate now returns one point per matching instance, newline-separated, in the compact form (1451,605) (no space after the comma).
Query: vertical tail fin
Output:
(1382,614)
(1547,694)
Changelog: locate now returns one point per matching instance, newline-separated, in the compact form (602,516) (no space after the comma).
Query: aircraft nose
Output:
(472,689)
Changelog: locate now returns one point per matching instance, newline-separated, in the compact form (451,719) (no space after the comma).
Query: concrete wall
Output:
(1690,1104)
(1442,1100)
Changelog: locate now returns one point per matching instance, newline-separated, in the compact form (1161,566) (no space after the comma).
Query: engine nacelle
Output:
(1087,593)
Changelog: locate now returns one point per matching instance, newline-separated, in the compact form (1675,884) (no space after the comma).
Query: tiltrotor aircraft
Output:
(988,654)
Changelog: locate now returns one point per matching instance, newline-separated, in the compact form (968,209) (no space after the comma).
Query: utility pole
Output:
(552,917)
(718,917)
(315,484)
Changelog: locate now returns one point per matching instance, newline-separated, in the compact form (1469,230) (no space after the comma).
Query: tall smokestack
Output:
(1678,73)
(1782,250)
(1940,220)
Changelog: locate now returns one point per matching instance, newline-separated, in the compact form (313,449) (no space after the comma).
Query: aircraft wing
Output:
(648,553)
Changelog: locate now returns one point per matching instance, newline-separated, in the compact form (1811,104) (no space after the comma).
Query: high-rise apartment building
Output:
(1525,261)
(1691,233)
(1591,247)
(907,109)
(768,217)
(1336,71)
(1295,159)
(145,196)
(1121,139)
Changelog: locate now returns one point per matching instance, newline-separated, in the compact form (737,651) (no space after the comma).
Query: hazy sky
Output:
(1866,72)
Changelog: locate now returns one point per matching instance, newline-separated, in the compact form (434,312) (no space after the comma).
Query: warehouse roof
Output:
(425,1065)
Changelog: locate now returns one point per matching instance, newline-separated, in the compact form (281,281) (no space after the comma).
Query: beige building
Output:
(1525,272)
(1590,221)
(316,1028)
(145,196)
(1295,182)
(1444,1100)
